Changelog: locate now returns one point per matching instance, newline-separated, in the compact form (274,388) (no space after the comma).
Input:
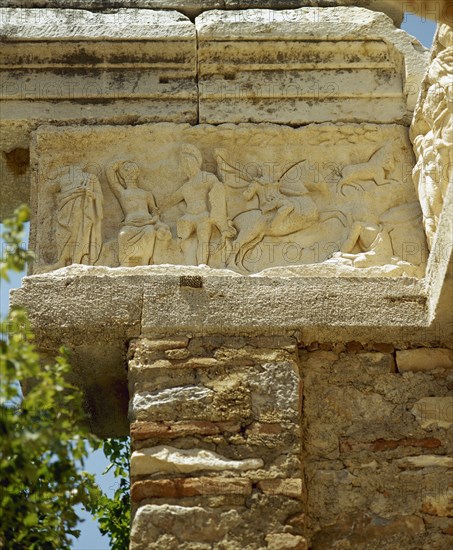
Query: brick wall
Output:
(230,453)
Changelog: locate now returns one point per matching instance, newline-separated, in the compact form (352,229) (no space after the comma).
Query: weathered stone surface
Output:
(439,505)
(266,490)
(181,524)
(189,487)
(195,7)
(164,459)
(424,359)
(272,208)
(286,541)
(339,64)
(276,392)
(426,461)
(292,488)
(148,300)
(167,403)
(363,446)
(360,530)
(431,411)
(431,133)
(67,66)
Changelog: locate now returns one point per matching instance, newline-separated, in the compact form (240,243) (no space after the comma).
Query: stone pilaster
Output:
(215,426)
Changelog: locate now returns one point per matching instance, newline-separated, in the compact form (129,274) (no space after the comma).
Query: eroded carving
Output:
(377,169)
(432,133)
(206,208)
(281,211)
(141,225)
(247,197)
(79,217)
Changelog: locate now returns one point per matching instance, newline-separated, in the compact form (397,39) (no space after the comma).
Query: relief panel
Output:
(243,197)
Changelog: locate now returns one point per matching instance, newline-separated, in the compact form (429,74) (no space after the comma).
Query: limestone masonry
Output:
(242,220)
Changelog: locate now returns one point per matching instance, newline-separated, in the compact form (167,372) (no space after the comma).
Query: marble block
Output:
(244,197)
(342,64)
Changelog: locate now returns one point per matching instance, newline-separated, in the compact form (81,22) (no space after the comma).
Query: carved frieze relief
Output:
(242,197)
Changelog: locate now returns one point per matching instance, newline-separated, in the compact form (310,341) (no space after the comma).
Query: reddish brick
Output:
(383,348)
(353,347)
(350,445)
(189,487)
(291,487)
(145,430)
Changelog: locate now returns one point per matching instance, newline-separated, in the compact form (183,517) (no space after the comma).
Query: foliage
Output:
(43,439)
(15,256)
(113,514)
(42,434)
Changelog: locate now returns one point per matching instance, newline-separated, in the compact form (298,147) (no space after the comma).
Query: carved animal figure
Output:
(253,226)
(377,169)
(281,212)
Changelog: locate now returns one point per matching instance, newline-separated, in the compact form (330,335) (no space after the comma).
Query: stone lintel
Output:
(96,311)
(192,8)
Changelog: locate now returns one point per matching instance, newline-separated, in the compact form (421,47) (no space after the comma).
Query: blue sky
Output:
(91,539)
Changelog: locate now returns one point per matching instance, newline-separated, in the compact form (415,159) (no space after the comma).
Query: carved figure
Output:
(372,243)
(377,169)
(432,136)
(368,245)
(79,216)
(426,177)
(206,209)
(141,225)
(281,212)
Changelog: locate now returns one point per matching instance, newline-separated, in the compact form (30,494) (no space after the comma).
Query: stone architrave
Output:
(246,197)
(67,66)
(138,65)
(307,65)
(192,8)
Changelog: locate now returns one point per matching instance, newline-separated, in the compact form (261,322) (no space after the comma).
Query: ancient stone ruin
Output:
(242,225)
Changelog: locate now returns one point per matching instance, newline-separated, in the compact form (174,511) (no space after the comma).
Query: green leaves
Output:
(113,514)
(43,438)
(15,256)
(42,448)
